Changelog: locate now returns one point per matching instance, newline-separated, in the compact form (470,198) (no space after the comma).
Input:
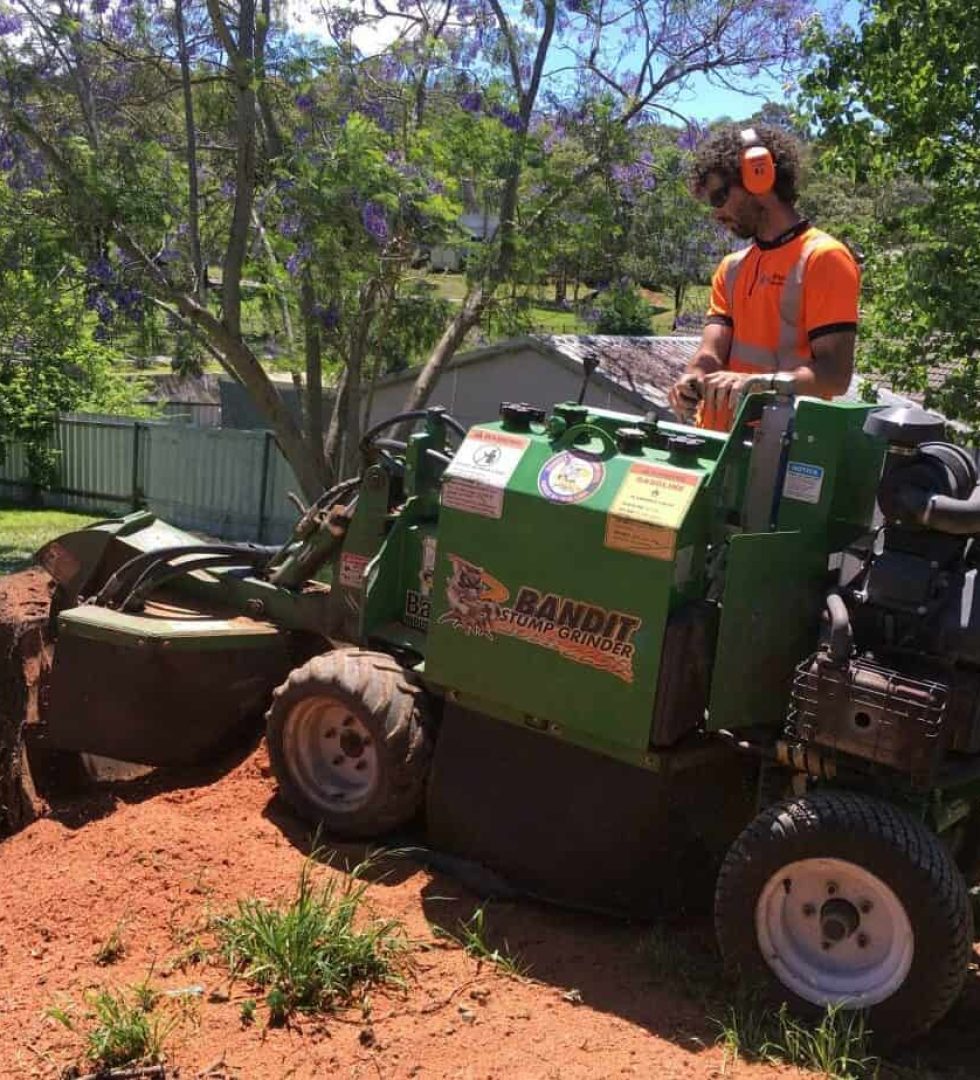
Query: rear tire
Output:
(840,898)
(348,743)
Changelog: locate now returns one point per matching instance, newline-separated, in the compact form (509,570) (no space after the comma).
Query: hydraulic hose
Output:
(159,573)
(145,560)
(958,517)
(841,636)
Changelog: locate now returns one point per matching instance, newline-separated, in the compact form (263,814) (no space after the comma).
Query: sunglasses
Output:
(719,196)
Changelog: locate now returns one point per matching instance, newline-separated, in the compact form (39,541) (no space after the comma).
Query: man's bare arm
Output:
(712,355)
(829,372)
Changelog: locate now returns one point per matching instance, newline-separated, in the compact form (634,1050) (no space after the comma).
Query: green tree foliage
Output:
(51,358)
(898,101)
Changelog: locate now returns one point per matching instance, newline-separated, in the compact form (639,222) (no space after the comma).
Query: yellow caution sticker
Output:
(655,495)
(648,509)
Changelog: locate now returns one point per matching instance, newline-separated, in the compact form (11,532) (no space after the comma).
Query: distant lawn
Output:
(23,531)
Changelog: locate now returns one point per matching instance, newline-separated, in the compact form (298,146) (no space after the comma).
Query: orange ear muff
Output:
(758,171)
(758,168)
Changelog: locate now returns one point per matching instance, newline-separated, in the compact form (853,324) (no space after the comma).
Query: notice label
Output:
(803,482)
(655,495)
(352,567)
(481,469)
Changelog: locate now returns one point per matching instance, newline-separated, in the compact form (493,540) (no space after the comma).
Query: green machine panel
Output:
(557,563)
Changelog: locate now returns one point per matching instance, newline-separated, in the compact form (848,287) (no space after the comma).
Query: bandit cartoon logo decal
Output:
(569,477)
(583,633)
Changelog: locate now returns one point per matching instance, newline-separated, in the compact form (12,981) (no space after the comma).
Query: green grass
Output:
(836,1047)
(314,951)
(23,531)
(472,936)
(120,1028)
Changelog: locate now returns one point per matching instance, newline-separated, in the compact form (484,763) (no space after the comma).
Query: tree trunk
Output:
(467,317)
(313,409)
(190,132)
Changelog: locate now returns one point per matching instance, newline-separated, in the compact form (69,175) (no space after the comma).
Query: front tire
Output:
(840,898)
(348,743)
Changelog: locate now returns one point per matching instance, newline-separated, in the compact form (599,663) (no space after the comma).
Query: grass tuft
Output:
(677,959)
(120,1028)
(112,949)
(472,936)
(308,954)
(836,1047)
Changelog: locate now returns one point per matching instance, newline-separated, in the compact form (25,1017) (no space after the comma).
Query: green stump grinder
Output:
(621,662)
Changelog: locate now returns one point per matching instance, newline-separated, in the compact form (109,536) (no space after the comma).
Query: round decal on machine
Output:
(570,478)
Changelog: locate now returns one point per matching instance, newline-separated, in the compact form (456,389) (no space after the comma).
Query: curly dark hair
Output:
(721,153)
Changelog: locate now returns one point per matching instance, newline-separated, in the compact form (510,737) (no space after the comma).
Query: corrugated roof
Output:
(646,366)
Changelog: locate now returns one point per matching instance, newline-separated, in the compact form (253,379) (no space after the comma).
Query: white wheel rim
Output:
(331,755)
(834,933)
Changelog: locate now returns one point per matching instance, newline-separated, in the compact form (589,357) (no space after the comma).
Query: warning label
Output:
(481,469)
(803,482)
(655,495)
(352,567)
(489,457)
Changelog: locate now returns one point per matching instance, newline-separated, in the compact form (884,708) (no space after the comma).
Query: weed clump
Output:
(310,953)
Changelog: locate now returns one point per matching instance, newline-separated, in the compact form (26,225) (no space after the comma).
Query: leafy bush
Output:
(622,310)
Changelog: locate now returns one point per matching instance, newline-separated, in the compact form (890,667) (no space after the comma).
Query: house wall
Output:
(472,391)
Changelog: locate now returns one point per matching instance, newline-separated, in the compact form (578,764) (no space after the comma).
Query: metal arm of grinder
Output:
(768,450)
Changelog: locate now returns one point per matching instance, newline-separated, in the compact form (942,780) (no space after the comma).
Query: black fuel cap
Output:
(685,445)
(630,440)
(519,415)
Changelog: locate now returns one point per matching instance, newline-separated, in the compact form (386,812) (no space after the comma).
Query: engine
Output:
(896,680)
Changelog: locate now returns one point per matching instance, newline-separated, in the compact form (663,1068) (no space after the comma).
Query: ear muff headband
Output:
(758,170)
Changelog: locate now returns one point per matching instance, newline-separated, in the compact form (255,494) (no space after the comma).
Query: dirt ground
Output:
(153,859)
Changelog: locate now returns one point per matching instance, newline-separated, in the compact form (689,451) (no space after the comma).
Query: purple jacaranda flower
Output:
(288,226)
(100,333)
(295,261)
(101,269)
(121,23)
(10,23)
(471,102)
(228,188)
(691,135)
(373,217)
(327,315)
(510,120)
(100,7)
(305,102)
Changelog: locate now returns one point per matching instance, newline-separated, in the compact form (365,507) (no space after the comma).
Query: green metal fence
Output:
(218,481)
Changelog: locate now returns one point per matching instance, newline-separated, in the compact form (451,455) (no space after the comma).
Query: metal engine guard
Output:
(580,829)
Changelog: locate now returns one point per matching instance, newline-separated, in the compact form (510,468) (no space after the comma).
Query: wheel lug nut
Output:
(866,906)
(809,910)
(862,941)
(331,734)
(824,945)
(831,888)
(339,759)
(348,720)
(361,766)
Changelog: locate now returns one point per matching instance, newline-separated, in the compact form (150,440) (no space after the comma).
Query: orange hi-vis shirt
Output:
(778,297)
